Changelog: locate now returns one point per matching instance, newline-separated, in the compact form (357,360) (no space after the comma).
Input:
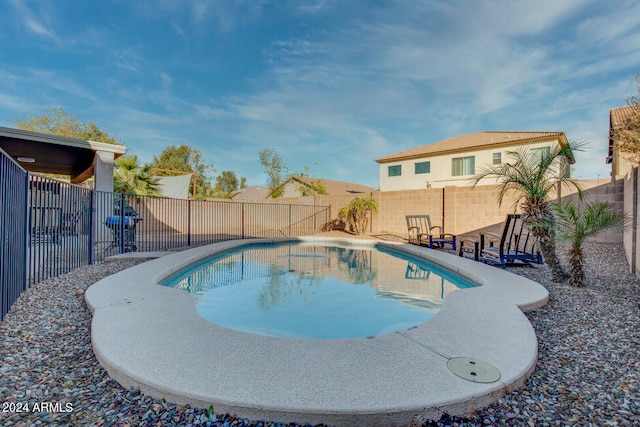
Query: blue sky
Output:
(330,85)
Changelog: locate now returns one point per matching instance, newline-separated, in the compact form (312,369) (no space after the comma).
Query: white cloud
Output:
(40,25)
(128,60)
(38,28)
(198,15)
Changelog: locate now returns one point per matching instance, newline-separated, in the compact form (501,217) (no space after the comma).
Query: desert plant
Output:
(534,178)
(133,179)
(574,223)
(356,213)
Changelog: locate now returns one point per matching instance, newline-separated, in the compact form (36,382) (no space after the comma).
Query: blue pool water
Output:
(316,290)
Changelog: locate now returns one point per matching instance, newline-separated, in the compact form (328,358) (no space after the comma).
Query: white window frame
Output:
(461,166)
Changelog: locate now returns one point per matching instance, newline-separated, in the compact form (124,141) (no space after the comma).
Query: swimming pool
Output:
(151,337)
(319,290)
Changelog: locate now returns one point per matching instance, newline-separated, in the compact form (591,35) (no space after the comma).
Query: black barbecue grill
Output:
(123,228)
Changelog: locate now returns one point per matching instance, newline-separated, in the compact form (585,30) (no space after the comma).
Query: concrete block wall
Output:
(631,206)
(467,211)
(470,211)
(395,205)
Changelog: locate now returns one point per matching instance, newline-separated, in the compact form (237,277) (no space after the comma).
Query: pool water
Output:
(316,290)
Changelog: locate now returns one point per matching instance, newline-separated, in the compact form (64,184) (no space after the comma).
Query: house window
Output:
(395,170)
(537,153)
(423,167)
(497,158)
(463,166)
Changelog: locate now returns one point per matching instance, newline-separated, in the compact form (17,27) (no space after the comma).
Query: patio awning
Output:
(44,153)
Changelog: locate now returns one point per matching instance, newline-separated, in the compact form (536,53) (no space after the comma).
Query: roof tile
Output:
(486,139)
(619,115)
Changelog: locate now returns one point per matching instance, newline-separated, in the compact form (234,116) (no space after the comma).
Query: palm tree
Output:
(356,213)
(131,178)
(574,224)
(534,178)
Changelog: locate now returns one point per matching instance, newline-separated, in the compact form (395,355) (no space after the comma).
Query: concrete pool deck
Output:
(151,337)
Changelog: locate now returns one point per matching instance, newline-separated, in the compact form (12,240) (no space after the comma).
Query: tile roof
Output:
(618,116)
(253,192)
(473,141)
(335,187)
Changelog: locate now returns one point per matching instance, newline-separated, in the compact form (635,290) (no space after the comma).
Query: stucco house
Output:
(620,164)
(455,161)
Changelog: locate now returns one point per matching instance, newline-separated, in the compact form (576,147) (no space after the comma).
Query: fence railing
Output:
(58,233)
(49,227)
(124,223)
(13,228)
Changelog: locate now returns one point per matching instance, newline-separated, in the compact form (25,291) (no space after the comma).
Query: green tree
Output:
(311,187)
(574,224)
(184,159)
(275,169)
(314,187)
(59,122)
(533,179)
(356,213)
(131,178)
(227,183)
(627,136)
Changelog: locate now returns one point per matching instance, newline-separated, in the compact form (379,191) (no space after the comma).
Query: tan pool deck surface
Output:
(151,337)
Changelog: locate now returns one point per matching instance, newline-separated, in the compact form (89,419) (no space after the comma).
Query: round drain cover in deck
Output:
(473,370)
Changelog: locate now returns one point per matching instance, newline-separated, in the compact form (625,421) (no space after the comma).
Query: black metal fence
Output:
(124,223)
(49,227)
(13,228)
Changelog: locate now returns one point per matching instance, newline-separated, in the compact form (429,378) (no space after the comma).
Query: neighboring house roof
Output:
(332,188)
(475,141)
(617,118)
(253,192)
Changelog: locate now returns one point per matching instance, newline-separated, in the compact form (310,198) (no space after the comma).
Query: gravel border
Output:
(587,371)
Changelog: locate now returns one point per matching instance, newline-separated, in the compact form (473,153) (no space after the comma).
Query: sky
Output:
(329,85)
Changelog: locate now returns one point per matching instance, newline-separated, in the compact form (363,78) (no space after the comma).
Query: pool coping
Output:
(151,337)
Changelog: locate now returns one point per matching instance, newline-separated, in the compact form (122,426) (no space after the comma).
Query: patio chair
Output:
(69,223)
(515,244)
(421,233)
(45,224)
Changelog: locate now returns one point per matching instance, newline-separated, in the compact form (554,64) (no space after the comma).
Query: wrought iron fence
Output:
(49,227)
(59,227)
(125,223)
(13,228)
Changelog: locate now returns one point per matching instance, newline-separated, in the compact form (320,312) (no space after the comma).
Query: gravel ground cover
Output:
(587,372)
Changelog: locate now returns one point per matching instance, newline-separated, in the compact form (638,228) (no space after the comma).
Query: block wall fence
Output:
(464,210)
(469,211)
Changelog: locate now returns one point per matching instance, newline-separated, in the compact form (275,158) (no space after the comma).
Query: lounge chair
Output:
(69,223)
(421,233)
(515,244)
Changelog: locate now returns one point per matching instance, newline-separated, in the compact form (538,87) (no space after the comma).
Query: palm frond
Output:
(575,223)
